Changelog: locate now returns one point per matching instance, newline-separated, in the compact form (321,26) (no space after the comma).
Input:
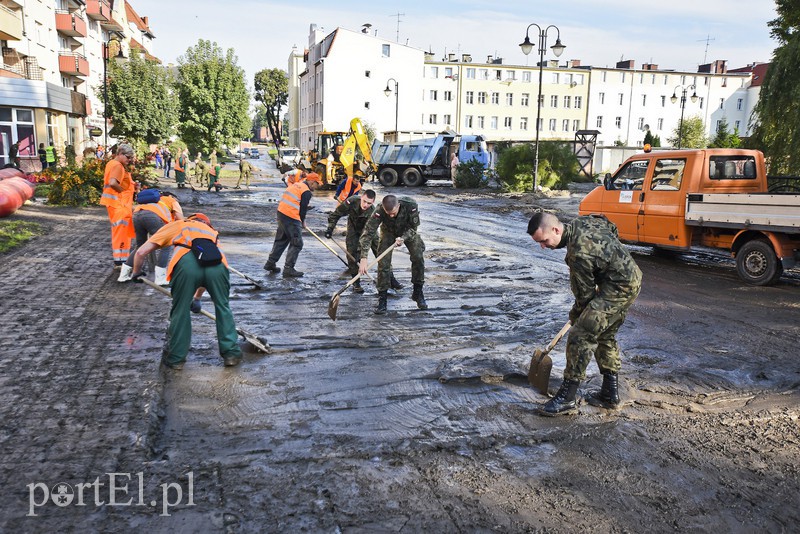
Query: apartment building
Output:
(52,74)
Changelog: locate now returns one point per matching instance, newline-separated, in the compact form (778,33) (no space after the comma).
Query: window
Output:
(498,75)
(367,74)
(631,176)
(468,121)
(526,76)
(19,128)
(567,102)
(482,97)
(622,76)
(621,98)
(507,123)
(483,74)
(653,79)
(470,97)
(578,102)
(509,99)
(386,50)
(640,124)
(683,80)
(496,98)
(666,79)
(448,72)
(644,100)
(481,121)
(732,168)
(446,119)
(660,124)
(737,124)
(434,72)
(366,105)
(541,101)
(721,103)
(604,75)
(599,121)
(432,118)
(511,75)
(641,77)
(618,122)
(493,123)
(523,123)
(565,125)
(663,101)
(719,123)
(576,125)
(552,125)
(555,77)
(739,104)
(448,96)
(578,79)
(470,73)
(525,99)
(434,94)
(602,97)
(539,124)
(701,102)
(553,101)
(667,175)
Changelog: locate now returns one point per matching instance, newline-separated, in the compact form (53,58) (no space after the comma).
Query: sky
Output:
(676,34)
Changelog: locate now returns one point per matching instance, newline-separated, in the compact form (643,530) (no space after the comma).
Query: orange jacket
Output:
(182,233)
(351,187)
(290,201)
(180,165)
(174,207)
(160,208)
(110,197)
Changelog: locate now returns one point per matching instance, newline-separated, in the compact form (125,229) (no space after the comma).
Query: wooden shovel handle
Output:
(564,330)
(356,277)
(326,245)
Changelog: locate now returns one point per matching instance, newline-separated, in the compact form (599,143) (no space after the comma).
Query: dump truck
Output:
(415,162)
(682,199)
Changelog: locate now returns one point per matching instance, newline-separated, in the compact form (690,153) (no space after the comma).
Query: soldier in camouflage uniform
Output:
(605,281)
(398,220)
(244,173)
(358,210)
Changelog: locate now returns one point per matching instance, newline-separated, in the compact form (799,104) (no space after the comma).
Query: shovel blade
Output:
(539,371)
(333,305)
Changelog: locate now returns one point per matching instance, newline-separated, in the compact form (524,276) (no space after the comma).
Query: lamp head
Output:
(694,97)
(526,45)
(558,48)
(387,91)
(673,98)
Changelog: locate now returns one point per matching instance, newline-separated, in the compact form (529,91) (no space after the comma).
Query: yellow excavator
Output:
(342,154)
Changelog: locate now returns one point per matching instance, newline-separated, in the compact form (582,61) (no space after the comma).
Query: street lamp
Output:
(110,49)
(387,92)
(674,98)
(526,47)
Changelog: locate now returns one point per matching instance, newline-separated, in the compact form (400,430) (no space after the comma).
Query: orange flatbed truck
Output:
(681,199)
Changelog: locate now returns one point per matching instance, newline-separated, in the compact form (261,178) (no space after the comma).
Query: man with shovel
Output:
(605,281)
(398,219)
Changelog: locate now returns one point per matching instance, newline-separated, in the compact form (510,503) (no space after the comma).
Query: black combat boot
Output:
(564,402)
(419,297)
(608,395)
(291,272)
(271,267)
(357,287)
(395,284)
(381,309)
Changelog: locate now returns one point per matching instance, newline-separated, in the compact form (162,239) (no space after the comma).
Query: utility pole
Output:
(398,15)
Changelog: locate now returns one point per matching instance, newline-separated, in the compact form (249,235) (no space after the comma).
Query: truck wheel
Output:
(388,177)
(412,177)
(757,264)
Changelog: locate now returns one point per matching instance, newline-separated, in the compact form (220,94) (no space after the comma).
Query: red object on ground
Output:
(14,191)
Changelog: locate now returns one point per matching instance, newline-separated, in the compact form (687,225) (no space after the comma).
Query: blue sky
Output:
(670,34)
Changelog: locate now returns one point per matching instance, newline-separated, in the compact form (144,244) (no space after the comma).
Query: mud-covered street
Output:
(414,421)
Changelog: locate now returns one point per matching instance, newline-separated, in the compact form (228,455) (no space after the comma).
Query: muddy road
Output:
(414,421)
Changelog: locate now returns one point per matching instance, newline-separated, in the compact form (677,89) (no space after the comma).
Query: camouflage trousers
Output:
(594,332)
(353,247)
(415,246)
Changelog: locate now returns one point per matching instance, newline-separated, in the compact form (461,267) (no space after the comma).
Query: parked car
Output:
(254,153)
(288,158)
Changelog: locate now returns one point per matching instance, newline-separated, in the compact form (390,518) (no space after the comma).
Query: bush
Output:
(76,186)
(558,166)
(470,175)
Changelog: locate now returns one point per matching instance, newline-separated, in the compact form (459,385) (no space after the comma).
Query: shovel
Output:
(252,281)
(350,256)
(333,305)
(327,246)
(541,364)
(257,342)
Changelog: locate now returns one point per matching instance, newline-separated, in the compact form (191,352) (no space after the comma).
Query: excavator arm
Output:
(357,137)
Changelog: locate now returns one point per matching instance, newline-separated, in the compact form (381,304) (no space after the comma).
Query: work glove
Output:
(137,277)
(328,233)
(195,307)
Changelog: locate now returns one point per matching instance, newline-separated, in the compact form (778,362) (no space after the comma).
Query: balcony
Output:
(70,24)
(79,103)
(72,64)
(10,24)
(111,24)
(98,10)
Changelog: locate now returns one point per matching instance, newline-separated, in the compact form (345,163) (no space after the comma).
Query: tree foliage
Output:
(691,135)
(558,166)
(776,116)
(724,138)
(272,90)
(141,103)
(213,96)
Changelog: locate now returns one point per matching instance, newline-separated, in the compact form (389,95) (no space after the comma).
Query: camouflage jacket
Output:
(404,225)
(599,265)
(356,217)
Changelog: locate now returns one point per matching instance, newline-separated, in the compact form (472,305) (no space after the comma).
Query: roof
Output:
(137,45)
(141,23)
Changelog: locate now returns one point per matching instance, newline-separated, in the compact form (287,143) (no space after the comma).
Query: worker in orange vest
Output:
(191,273)
(180,168)
(292,210)
(347,188)
(117,197)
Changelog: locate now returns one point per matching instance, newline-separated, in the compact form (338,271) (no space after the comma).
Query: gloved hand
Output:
(137,277)
(195,307)
(328,233)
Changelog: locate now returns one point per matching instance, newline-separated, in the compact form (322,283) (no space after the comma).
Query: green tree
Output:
(692,135)
(656,141)
(214,100)
(648,138)
(776,130)
(724,138)
(272,90)
(558,166)
(141,103)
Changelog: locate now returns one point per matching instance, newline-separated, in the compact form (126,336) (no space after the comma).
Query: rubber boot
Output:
(608,395)
(125,273)
(395,284)
(161,276)
(357,287)
(291,272)
(419,297)
(271,267)
(381,309)
(564,402)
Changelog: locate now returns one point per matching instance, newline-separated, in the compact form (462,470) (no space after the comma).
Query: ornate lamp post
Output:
(674,98)
(387,92)
(557,49)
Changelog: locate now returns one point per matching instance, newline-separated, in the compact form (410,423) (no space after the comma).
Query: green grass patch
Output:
(15,233)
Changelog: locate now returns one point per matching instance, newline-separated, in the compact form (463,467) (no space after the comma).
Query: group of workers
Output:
(604,278)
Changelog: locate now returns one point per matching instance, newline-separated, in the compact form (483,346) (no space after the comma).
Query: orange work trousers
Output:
(122,232)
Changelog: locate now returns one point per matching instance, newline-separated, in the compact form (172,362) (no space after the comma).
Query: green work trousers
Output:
(187,276)
(415,246)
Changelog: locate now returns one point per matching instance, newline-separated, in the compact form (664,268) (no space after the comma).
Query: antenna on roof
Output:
(398,15)
(708,40)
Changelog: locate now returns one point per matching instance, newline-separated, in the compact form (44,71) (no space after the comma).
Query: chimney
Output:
(572,63)
(144,20)
(649,66)
(489,59)
(466,58)
(625,64)
(451,56)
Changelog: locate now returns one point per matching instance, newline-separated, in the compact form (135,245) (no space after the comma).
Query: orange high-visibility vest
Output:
(159,208)
(190,230)
(351,187)
(110,197)
(173,206)
(181,164)
(290,201)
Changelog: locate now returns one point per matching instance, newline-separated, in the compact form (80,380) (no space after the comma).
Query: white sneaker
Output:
(125,273)
(161,276)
